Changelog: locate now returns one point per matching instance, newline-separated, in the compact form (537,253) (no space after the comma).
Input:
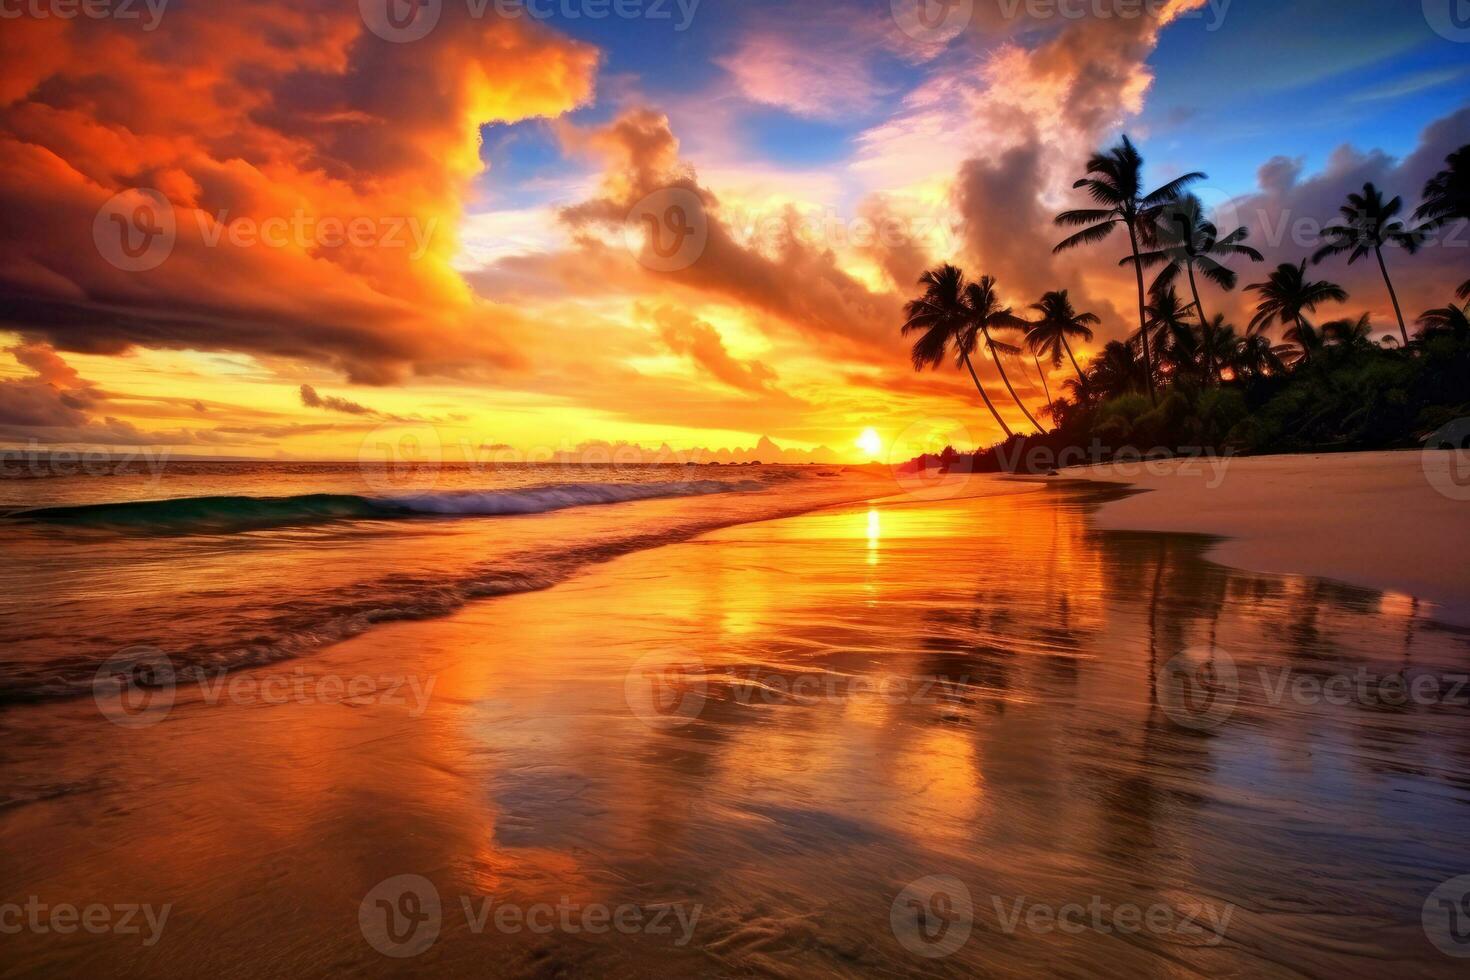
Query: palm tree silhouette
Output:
(1116,183)
(1257,357)
(1446,195)
(1219,344)
(1058,322)
(943,317)
(1187,241)
(1464,291)
(1349,333)
(1370,225)
(986,314)
(1448,320)
(1115,371)
(1286,296)
(1171,333)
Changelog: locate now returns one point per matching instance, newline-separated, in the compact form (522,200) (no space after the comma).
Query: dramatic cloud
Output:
(312,175)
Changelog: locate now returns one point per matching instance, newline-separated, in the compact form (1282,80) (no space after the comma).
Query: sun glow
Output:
(870,442)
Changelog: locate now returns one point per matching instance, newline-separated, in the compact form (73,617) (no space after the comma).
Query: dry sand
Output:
(1397,521)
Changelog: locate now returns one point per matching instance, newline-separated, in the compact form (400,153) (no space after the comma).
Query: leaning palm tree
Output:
(1447,194)
(1370,225)
(1059,322)
(1451,320)
(984,314)
(942,316)
(1115,181)
(1286,297)
(1186,241)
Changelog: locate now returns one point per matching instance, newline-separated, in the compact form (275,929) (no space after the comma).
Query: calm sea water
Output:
(223,565)
(967,735)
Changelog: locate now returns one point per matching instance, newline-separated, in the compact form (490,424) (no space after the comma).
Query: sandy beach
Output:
(1397,522)
(894,738)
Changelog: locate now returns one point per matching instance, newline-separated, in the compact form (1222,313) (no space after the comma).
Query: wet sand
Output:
(872,741)
(1397,521)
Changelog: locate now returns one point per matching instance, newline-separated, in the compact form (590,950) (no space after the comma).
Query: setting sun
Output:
(870,442)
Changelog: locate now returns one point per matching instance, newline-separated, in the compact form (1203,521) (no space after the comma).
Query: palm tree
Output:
(984,313)
(1058,322)
(1447,194)
(1116,183)
(1116,370)
(1219,344)
(1257,357)
(1464,291)
(1349,333)
(1187,241)
(1170,331)
(1452,320)
(1286,296)
(945,320)
(1370,225)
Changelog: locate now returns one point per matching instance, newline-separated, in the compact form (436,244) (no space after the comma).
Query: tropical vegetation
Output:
(1301,374)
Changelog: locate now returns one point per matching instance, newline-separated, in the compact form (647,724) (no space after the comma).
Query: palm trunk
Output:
(1200,309)
(1081,378)
(988,403)
(1001,368)
(1378,251)
(1044,386)
(1148,362)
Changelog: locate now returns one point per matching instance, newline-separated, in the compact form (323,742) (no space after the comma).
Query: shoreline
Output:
(1370,519)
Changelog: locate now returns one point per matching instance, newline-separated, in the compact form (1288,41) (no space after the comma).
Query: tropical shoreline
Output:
(1376,520)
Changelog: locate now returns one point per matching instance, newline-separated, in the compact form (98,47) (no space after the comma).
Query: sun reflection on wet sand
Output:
(856,699)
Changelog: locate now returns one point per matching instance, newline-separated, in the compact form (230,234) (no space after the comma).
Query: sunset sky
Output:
(370,231)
